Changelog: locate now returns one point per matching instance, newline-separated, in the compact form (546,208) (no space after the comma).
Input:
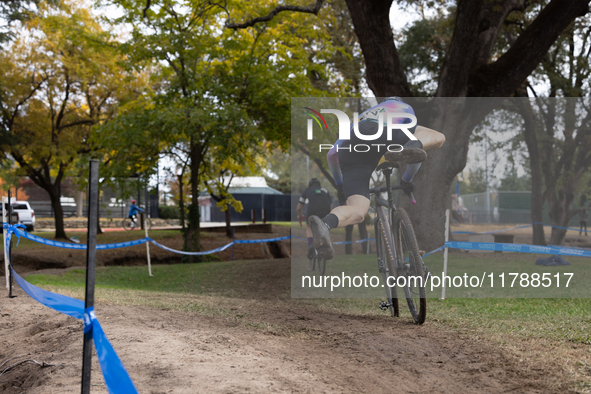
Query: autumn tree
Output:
(215,84)
(57,80)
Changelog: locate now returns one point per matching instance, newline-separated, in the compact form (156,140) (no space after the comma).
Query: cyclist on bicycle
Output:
(133,210)
(352,169)
(319,204)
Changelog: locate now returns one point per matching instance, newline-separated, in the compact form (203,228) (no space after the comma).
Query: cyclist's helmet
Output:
(133,201)
(314,182)
(396,98)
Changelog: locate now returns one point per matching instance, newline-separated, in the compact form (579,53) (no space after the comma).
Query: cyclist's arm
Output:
(299,209)
(333,163)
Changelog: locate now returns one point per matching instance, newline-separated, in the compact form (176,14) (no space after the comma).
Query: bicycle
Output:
(398,253)
(130,225)
(317,260)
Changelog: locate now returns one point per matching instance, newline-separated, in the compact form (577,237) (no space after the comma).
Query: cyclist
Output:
(352,169)
(133,210)
(583,221)
(319,204)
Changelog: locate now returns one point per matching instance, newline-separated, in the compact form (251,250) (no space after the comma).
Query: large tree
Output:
(479,61)
(221,93)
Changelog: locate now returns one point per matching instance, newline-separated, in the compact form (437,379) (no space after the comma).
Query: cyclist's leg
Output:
(356,188)
(352,213)
(309,236)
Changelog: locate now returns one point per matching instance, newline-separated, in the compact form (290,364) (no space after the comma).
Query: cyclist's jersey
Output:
(134,209)
(319,201)
(356,151)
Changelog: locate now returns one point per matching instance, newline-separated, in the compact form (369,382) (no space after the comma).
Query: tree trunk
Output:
(537,199)
(560,214)
(99,230)
(456,118)
(181,199)
(192,235)
(228,223)
(384,73)
(58,212)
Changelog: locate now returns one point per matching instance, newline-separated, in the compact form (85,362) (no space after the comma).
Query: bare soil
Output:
(266,343)
(263,342)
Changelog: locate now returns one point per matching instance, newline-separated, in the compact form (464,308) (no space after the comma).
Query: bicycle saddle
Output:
(383,164)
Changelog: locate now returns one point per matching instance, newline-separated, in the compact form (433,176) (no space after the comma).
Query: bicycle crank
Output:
(384,305)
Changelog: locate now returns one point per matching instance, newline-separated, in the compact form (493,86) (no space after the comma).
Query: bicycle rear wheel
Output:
(384,246)
(410,266)
(321,264)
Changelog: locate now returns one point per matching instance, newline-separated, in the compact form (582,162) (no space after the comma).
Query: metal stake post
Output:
(446,250)
(147,247)
(90,269)
(10,248)
(5,220)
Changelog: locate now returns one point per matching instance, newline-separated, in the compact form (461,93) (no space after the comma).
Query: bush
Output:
(169,212)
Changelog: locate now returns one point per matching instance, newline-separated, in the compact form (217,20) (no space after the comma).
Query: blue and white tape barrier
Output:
(514,228)
(558,250)
(116,377)
(226,246)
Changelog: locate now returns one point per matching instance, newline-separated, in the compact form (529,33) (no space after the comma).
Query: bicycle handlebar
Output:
(375,190)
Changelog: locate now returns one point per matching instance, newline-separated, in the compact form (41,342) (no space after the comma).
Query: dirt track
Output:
(267,343)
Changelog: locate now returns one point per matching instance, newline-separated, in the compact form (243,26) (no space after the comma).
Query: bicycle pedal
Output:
(384,305)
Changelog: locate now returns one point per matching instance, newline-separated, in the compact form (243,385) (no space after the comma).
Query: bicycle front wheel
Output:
(410,266)
(385,251)
(127,224)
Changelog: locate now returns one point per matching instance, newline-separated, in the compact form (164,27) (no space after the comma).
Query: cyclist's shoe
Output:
(407,156)
(311,252)
(322,242)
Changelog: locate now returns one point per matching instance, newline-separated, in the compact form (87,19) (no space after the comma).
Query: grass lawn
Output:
(220,283)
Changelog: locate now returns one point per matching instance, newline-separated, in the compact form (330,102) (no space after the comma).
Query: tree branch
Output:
(311,9)
(504,76)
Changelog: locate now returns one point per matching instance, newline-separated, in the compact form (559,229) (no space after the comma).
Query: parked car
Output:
(25,214)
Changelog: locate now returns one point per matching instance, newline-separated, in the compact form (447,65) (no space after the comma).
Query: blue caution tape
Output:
(66,245)
(258,241)
(66,305)
(116,377)
(295,236)
(514,228)
(216,250)
(350,242)
(518,248)
(435,251)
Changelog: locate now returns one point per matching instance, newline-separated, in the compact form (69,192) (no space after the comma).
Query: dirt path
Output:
(268,343)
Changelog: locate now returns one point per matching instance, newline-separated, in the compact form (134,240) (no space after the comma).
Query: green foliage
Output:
(169,212)
(423,49)
(512,182)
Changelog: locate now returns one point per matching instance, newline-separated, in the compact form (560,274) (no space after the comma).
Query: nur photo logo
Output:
(387,121)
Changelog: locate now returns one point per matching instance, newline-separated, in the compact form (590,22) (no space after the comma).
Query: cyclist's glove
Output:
(341,195)
(408,188)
